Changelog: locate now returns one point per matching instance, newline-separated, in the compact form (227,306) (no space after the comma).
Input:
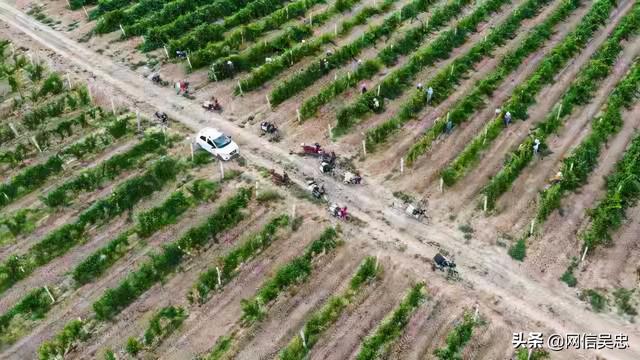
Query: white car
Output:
(217,143)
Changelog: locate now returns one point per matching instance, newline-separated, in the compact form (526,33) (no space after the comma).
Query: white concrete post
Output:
(89,92)
(378,93)
(293,211)
(364,147)
(559,111)
(121,28)
(191,147)
(584,254)
(335,29)
(113,107)
(486,200)
(213,71)
(53,300)
(189,61)
(304,342)
(571,167)
(533,224)
(13,128)
(69,81)
(401,165)
(86,13)
(219,278)
(166,52)
(221,170)
(256,189)
(240,88)
(33,139)
(138,119)
(330,131)
(298,115)
(268,102)
(441,185)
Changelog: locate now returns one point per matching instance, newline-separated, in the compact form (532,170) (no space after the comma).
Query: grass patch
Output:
(568,276)
(598,301)
(623,301)
(518,251)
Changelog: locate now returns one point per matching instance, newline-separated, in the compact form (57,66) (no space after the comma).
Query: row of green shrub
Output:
(205,30)
(482,89)
(73,332)
(229,264)
(29,179)
(68,102)
(457,339)
(112,20)
(302,80)
(295,54)
(623,191)
(62,130)
(104,6)
(34,305)
(330,312)
(391,328)
(296,271)
(396,82)
(581,91)
(147,223)
(92,179)
(290,274)
(577,167)
(163,323)
(256,55)
(525,93)
(212,43)
(59,241)
(161,264)
(407,44)
(446,80)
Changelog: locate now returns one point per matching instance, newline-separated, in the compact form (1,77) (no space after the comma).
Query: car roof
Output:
(210,132)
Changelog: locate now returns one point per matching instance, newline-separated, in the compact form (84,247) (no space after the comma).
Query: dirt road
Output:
(490,273)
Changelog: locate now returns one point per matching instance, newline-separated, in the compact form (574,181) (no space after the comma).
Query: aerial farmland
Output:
(319,179)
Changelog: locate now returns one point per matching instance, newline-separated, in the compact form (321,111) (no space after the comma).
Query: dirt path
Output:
(487,268)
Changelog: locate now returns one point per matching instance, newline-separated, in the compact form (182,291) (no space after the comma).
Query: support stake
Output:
(13,128)
(219,278)
(533,224)
(378,94)
(364,147)
(86,13)
(335,29)
(441,185)
(53,300)
(138,119)
(121,28)
(330,131)
(69,80)
(213,71)
(33,139)
(293,211)
(298,115)
(189,61)
(268,102)
(486,200)
(240,88)
(584,254)
(191,146)
(304,342)
(222,170)
(113,107)
(166,52)
(401,165)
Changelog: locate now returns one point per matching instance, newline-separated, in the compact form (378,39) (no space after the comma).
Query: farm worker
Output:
(376,103)
(230,65)
(429,94)
(498,111)
(329,52)
(449,126)
(419,86)
(268,60)
(536,146)
(364,89)
(507,119)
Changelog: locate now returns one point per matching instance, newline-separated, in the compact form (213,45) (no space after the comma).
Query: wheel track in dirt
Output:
(488,269)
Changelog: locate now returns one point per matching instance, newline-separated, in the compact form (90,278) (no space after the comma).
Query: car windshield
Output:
(222,141)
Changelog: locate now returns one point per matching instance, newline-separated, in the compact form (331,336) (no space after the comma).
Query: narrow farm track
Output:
(493,272)
(493,157)
(447,147)
(566,224)
(525,189)
(78,303)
